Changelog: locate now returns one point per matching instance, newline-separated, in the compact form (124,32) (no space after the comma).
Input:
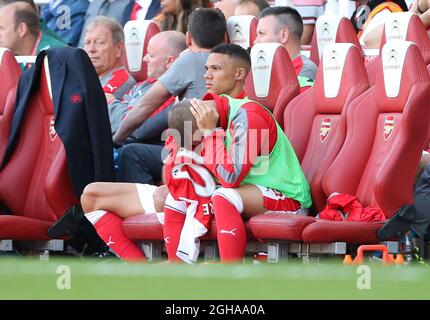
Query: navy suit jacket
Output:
(81,115)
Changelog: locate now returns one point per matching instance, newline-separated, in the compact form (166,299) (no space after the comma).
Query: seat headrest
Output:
(341,68)
(8,62)
(242,30)
(137,34)
(409,27)
(402,66)
(329,29)
(271,72)
(2,52)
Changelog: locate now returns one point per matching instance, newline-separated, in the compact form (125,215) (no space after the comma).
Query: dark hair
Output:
(261,4)
(287,17)
(29,17)
(207,27)
(234,51)
(30,2)
(179,21)
(178,117)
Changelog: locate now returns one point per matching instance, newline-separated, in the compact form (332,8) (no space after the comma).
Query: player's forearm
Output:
(228,168)
(134,118)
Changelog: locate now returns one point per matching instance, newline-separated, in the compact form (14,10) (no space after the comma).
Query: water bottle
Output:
(408,250)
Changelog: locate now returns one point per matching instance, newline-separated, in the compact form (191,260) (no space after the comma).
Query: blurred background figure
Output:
(250,7)
(309,10)
(66,18)
(145,9)
(227,7)
(369,18)
(119,10)
(21,33)
(174,13)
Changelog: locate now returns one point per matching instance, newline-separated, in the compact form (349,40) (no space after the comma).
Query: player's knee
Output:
(90,193)
(230,195)
(160,196)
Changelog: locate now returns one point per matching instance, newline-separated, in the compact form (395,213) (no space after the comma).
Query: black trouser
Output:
(421,222)
(140,163)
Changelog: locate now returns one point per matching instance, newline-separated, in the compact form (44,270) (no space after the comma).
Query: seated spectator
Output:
(104,44)
(227,7)
(226,69)
(206,29)
(309,11)
(285,26)
(43,27)
(145,9)
(369,20)
(119,10)
(127,199)
(174,13)
(66,18)
(250,7)
(244,190)
(20,31)
(163,49)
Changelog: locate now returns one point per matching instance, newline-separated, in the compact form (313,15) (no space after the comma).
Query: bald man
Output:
(20,30)
(163,49)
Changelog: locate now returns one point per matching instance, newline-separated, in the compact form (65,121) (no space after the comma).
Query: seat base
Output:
(23,228)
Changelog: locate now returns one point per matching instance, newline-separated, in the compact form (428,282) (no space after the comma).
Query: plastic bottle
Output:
(408,249)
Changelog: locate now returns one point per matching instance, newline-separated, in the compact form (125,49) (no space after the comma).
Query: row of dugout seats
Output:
(349,137)
(318,123)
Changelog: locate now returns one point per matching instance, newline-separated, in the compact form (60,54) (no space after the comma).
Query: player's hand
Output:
(206,116)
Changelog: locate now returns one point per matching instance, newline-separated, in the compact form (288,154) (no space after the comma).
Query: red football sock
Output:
(231,230)
(109,228)
(173,223)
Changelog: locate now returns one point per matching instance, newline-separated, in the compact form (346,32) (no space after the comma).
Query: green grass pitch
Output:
(30,278)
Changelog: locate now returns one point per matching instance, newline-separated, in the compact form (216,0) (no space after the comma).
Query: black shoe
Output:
(105,255)
(398,224)
(68,224)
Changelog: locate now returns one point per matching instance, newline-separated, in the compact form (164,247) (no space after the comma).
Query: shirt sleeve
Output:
(250,138)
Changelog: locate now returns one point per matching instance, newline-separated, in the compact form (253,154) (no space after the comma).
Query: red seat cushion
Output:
(279,226)
(23,228)
(148,227)
(324,231)
(10,73)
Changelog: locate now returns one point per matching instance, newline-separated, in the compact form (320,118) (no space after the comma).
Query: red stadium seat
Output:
(35,183)
(10,73)
(315,123)
(242,30)
(386,130)
(137,34)
(148,230)
(331,29)
(272,80)
(402,26)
